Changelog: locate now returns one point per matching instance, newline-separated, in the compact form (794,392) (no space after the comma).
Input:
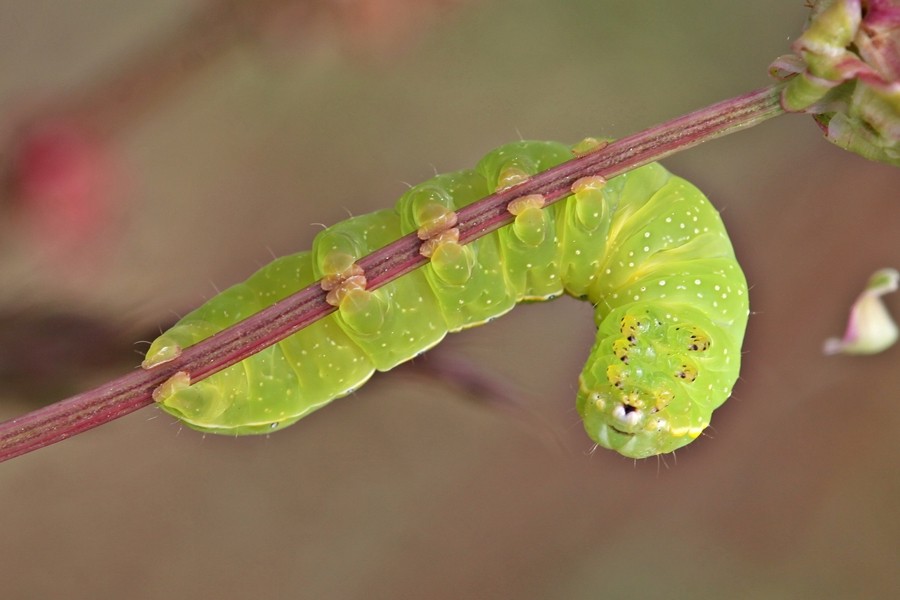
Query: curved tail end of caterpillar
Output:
(160,353)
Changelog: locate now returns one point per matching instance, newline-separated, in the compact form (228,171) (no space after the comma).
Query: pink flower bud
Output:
(870,329)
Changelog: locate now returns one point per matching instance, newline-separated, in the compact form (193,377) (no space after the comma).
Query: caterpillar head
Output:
(643,390)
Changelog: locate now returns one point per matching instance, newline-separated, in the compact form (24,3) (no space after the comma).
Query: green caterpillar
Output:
(646,248)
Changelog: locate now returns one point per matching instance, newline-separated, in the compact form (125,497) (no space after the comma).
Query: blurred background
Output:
(155,152)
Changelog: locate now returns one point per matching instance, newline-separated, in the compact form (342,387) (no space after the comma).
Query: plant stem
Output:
(133,391)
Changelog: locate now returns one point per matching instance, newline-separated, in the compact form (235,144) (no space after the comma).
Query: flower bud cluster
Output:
(846,73)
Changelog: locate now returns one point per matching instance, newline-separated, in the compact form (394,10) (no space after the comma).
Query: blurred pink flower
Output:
(63,183)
